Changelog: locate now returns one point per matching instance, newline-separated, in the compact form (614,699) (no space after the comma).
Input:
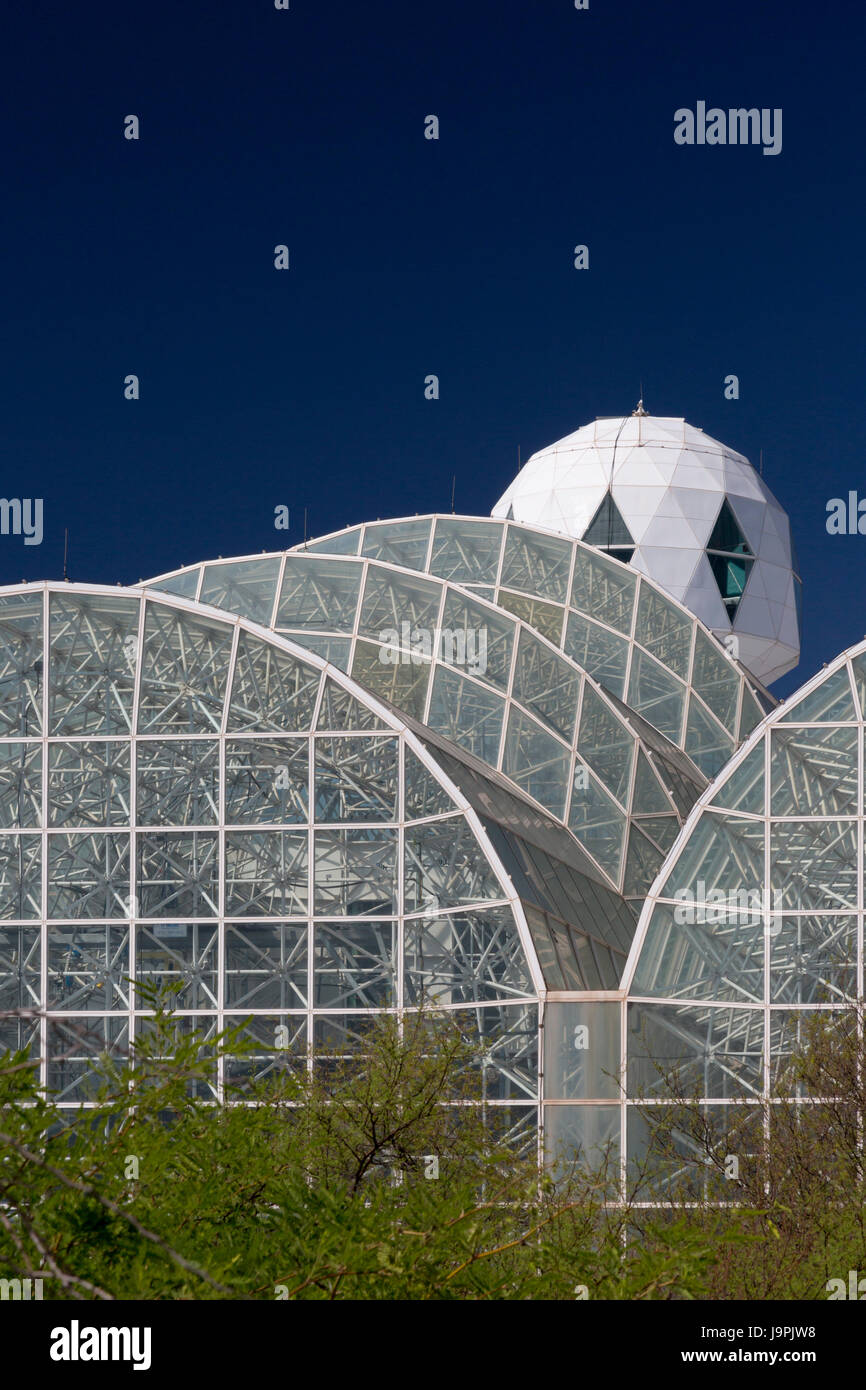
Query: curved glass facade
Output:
(489,682)
(756,921)
(186,798)
(620,627)
(596,609)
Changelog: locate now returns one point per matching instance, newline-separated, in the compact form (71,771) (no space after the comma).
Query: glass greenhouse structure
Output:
(460,759)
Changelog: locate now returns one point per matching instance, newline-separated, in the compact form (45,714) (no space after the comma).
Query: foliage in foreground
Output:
(320,1186)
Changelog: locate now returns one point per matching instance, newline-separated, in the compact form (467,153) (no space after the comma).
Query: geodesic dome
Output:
(684,509)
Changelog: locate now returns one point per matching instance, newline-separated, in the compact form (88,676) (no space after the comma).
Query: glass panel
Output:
(831,702)
(536,564)
(603,589)
(271,690)
(488,639)
(743,789)
(791,1033)
(813,771)
(400,610)
(751,715)
(466,552)
(403,683)
(88,783)
(704,950)
(657,695)
(813,960)
(582,1051)
(356,779)
(515,1127)
(706,743)
(356,873)
(602,654)
(266,873)
(584,1135)
(716,680)
(732,576)
(546,618)
(341,543)
(715,1053)
(545,949)
(467,713)
(355,965)
(664,630)
(88,876)
(597,822)
(267,781)
(813,865)
(444,867)
(341,711)
(536,761)
(608,746)
(337,650)
(504,1039)
(20,876)
(266,966)
(608,530)
(280,1049)
(185,584)
(667,1149)
(20,785)
(319,594)
(662,829)
(546,684)
(178,782)
(723,852)
(78,1050)
(179,953)
(21,662)
(463,957)
(726,534)
(648,797)
(178,874)
(93,661)
(20,965)
(400,542)
(184,668)
(247,587)
(88,968)
(643,862)
(424,795)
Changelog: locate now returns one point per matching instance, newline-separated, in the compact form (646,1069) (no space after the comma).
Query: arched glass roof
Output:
(618,624)
(635,640)
(188,797)
(489,682)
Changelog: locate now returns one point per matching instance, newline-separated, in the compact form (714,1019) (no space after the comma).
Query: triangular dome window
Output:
(608,531)
(730,558)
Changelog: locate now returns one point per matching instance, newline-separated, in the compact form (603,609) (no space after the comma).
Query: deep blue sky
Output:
(410,257)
